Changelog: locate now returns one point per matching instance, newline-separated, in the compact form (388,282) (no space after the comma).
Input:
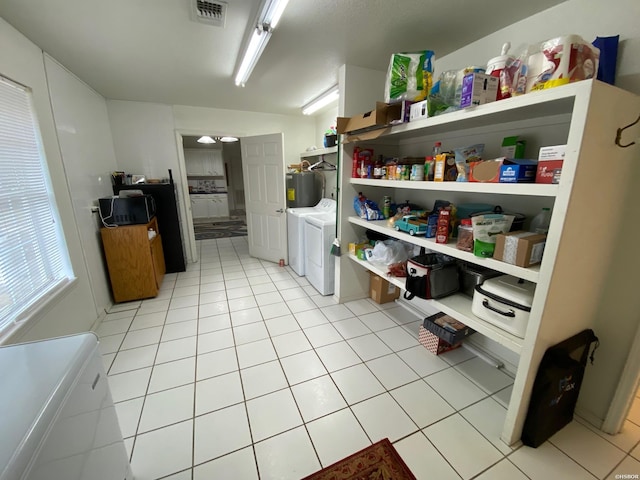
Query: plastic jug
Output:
(540,223)
(500,67)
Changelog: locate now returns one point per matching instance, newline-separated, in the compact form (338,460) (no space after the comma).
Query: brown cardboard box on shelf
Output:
(381,290)
(520,248)
(433,343)
(486,171)
(369,125)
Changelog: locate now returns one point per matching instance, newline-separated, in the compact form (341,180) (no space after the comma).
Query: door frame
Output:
(625,392)
(187,222)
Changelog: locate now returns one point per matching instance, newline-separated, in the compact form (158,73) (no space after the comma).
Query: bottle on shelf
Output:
(355,169)
(377,168)
(540,223)
(429,165)
(437,148)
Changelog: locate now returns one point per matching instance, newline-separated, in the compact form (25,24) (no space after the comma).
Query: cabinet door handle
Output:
(280,210)
(510,313)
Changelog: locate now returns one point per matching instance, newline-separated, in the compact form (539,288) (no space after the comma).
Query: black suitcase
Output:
(556,388)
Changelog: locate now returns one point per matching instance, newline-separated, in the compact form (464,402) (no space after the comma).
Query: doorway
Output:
(214,189)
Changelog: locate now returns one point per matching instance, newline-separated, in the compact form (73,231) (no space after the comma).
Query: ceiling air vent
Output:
(213,13)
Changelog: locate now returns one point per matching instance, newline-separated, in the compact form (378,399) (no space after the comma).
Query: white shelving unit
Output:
(318,152)
(579,280)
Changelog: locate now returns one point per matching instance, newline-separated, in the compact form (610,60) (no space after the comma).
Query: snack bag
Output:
(485,230)
(464,156)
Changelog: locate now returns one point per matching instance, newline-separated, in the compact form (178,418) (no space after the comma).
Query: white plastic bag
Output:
(389,251)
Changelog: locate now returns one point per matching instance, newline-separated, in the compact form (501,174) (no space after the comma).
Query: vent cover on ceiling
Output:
(213,13)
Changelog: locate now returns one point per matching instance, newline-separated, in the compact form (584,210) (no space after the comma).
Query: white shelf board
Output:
(457,305)
(538,104)
(319,151)
(529,189)
(532,273)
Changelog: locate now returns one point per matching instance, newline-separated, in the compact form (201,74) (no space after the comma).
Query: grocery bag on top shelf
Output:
(409,76)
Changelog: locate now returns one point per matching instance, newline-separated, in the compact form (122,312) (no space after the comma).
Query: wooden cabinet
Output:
(135,260)
(219,205)
(209,205)
(586,274)
(204,163)
(195,166)
(199,206)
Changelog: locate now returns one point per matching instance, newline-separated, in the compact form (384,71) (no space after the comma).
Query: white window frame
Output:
(24,298)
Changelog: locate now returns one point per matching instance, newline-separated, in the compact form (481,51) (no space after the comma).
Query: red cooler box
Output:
(504,301)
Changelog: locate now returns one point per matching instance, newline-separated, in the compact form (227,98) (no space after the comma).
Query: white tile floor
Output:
(240,370)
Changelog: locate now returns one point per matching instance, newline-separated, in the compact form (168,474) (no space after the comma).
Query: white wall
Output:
(144,138)
(144,135)
(586,18)
(324,120)
(23,62)
(298,131)
(87,154)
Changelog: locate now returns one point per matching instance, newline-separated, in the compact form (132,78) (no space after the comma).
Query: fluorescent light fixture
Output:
(272,11)
(206,139)
(323,100)
(270,14)
(228,139)
(258,41)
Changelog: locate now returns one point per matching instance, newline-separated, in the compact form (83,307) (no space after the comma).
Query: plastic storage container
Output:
(504,301)
(471,275)
(465,235)
(501,68)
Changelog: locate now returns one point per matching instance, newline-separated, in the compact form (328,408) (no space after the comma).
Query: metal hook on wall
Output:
(619,134)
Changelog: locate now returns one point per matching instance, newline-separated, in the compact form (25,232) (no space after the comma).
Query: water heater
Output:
(303,189)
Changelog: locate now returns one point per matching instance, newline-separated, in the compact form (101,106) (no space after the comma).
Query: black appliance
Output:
(127,210)
(166,200)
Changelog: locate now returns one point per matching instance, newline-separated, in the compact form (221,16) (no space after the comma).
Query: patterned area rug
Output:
(379,461)
(221,228)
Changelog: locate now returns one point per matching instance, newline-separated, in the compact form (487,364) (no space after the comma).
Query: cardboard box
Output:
(512,147)
(447,328)
(405,112)
(433,343)
(477,89)
(369,125)
(445,168)
(520,248)
(381,290)
(355,247)
(419,111)
(550,161)
(486,171)
(518,170)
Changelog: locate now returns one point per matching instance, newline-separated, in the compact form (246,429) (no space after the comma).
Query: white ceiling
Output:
(151,50)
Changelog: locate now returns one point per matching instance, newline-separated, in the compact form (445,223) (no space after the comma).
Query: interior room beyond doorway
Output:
(213,167)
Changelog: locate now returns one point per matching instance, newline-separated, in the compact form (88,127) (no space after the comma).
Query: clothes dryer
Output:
(320,232)
(296,231)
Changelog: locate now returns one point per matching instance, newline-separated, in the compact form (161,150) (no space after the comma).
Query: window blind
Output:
(34,261)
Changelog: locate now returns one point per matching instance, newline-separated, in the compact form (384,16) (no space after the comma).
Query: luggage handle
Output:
(510,313)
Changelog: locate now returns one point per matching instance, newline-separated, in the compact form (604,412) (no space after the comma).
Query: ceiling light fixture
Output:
(270,13)
(228,139)
(206,139)
(323,100)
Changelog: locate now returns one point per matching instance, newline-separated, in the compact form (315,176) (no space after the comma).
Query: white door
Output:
(263,170)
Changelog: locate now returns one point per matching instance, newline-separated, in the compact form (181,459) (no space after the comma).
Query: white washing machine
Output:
(296,231)
(320,232)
